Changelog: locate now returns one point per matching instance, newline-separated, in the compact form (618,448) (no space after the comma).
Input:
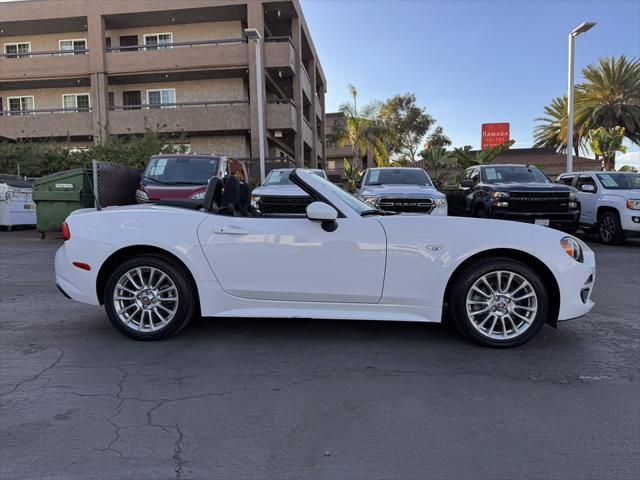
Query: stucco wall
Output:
(44,98)
(44,43)
(214,89)
(231,145)
(183,32)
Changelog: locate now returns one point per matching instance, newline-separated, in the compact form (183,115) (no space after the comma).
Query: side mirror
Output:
(467,183)
(323,213)
(359,184)
(588,188)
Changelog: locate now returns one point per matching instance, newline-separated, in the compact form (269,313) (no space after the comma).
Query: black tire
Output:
(185,311)
(480,212)
(609,228)
(473,273)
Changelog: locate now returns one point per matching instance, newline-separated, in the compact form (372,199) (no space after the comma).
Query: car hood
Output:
(627,194)
(530,187)
(279,191)
(401,191)
(167,192)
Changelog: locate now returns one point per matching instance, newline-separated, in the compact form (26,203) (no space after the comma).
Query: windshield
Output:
(620,181)
(347,198)
(281,177)
(180,170)
(398,176)
(513,175)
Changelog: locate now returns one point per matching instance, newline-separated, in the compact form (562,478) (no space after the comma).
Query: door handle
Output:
(230,230)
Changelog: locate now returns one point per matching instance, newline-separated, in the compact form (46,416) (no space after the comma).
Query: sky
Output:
(468,62)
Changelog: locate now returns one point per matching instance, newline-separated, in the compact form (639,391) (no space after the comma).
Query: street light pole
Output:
(254,34)
(583,27)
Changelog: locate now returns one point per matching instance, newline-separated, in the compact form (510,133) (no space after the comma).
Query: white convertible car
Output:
(155,267)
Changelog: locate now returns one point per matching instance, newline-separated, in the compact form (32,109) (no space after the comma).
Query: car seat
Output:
(230,202)
(246,210)
(213,197)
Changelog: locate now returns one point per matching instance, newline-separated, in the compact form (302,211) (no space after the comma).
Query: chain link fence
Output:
(117,184)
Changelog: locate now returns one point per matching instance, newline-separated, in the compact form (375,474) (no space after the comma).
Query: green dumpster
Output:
(59,194)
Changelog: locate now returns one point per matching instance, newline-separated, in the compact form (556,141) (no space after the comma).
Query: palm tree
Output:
(552,132)
(467,157)
(435,159)
(610,97)
(361,130)
(605,143)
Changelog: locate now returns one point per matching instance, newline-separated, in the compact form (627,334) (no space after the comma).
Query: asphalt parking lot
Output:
(309,399)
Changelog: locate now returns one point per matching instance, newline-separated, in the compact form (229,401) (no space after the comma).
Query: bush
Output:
(35,159)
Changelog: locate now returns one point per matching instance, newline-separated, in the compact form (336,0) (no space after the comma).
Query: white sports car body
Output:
(156,266)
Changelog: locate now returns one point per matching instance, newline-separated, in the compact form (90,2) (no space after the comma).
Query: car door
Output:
(295,259)
(587,199)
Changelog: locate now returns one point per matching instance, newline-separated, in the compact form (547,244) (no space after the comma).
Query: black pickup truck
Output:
(514,192)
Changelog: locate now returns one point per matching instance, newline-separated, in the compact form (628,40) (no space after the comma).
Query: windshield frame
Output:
(599,175)
(287,174)
(367,183)
(158,181)
(531,168)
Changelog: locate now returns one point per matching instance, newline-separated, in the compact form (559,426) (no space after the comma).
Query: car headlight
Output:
(440,202)
(573,204)
(198,196)
(141,196)
(373,201)
(572,248)
(500,194)
(633,204)
(572,196)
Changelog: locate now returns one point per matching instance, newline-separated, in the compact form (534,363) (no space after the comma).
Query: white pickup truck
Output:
(609,203)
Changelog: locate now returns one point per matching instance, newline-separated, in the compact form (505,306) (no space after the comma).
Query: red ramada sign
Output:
(494,134)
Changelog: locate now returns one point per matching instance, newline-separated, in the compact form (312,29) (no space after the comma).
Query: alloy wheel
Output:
(145,299)
(607,229)
(501,305)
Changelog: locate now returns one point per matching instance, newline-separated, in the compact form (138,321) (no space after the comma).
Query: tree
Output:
(406,125)
(628,168)
(467,157)
(552,132)
(436,159)
(605,143)
(361,130)
(353,175)
(610,97)
(437,138)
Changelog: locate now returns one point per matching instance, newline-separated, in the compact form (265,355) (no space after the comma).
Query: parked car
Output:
(401,189)
(181,177)
(343,260)
(514,192)
(278,195)
(609,203)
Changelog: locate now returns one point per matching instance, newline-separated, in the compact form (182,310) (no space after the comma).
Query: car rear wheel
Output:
(499,302)
(609,229)
(148,297)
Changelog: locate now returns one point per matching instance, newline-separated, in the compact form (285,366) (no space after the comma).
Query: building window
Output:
(20,105)
(76,102)
(165,98)
(158,41)
(74,47)
(111,100)
(17,50)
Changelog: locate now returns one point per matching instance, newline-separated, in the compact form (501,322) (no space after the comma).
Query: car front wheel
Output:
(148,297)
(499,302)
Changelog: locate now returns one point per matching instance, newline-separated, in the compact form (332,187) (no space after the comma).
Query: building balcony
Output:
(279,53)
(191,117)
(307,132)
(319,149)
(44,65)
(319,111)
(52,123)
(205,54)
(281,115)
(305,80)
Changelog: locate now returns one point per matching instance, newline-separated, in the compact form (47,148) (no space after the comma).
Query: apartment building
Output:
(75,71)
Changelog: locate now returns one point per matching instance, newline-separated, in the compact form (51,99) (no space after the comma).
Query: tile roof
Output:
(547,158)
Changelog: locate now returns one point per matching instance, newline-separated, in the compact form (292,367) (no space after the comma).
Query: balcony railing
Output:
(40,111)
(169,46)
(204,103)
(280,101)
(47,53)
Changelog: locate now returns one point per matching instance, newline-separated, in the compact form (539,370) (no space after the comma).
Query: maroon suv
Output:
(178,177)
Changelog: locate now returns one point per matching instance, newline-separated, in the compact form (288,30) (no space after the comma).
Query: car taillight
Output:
(66,234)
(141,195)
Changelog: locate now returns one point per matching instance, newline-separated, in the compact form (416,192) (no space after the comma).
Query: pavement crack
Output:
(37,375)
